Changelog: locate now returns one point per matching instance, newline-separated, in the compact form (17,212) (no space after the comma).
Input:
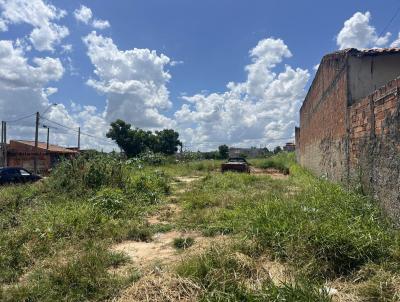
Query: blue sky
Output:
(207,44)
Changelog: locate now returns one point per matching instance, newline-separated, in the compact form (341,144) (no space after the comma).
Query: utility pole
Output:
(5,144)
(79,138)
(48,135)
(1,143)
(35,160)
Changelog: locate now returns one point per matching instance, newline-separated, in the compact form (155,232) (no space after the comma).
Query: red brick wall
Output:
(323,120)
(371,118)
(360,142)
(375,145)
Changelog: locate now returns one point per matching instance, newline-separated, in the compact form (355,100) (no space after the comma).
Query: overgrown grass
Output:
(100,199)
(282,162)
(227,275)
(317,228)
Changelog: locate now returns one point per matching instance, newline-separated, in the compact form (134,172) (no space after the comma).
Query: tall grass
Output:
(316,227)
(97,199)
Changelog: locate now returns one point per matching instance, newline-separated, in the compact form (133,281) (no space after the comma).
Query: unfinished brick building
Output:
(350,122)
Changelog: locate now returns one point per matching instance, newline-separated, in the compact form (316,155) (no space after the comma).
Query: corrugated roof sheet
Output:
(52,148)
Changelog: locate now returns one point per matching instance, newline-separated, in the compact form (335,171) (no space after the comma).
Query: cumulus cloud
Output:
(84,14)
(261,110)
(100,24)
(41,15)
(24,89)
(134,82)
(357,32)
(396,43)
(23,85)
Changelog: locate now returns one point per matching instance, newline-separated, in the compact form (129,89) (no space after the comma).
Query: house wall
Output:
(350,131)
(322,147)
(375,145)
(369,72)
(27,161)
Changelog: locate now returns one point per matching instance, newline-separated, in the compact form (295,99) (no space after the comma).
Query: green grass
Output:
(320,230)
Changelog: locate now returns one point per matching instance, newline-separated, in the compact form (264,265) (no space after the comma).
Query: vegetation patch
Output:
(183,243)
(67,237)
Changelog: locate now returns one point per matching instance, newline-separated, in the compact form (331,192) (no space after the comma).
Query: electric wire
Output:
(390,22)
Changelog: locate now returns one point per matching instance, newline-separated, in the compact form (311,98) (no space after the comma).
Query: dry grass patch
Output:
(161,288)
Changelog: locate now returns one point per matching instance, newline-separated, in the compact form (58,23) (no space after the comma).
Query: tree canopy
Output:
(223,151)
(135,141)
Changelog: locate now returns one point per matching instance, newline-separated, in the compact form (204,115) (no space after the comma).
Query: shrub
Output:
(77,176)
(147,186)
(183,243)
(110,201)
(281,162)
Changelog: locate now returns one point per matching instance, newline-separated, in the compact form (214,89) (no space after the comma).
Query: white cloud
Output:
(175,63)
(357,32)
(396,43)
(46,36)
(67,48)
(22,85)
(134,82)
(41,15)
(24,89)
(260,110)
(83,14)
(3,25)
(100,24)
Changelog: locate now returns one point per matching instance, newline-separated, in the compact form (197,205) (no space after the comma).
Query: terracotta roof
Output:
(365,52)
(52,148)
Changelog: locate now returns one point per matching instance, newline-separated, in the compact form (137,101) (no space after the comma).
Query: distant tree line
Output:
(136,141)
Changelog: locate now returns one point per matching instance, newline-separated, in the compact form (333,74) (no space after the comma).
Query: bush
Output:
(147,186)
(182,243)
(80,175)
(281,162)
(110,201)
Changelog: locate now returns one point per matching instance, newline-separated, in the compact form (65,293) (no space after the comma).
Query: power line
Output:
(77,131)
(390,22)
(20,118)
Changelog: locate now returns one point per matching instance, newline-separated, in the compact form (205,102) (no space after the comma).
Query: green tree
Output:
(277,150)
(136,141)
(223,151)
(131,141)
(167,141)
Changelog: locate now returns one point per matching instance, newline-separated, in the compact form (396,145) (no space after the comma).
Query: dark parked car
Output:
(17,175)
(237,164)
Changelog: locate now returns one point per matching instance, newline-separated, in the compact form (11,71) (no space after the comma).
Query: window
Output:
(24,172)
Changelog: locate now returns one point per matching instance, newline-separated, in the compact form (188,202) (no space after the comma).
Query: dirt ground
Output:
(274,173)
(155,259)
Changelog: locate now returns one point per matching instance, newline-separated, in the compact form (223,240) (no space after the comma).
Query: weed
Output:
(183,243)
(82,278)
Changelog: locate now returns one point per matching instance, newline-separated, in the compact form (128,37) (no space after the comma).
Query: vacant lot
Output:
(102,228)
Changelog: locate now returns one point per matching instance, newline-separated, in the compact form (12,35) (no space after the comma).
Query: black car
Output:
(17,175)
(236,164)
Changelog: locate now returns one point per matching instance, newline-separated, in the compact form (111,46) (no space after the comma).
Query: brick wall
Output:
(375,145)
(322,147)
